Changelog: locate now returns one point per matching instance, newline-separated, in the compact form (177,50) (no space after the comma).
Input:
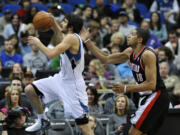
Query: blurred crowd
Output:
(109,22)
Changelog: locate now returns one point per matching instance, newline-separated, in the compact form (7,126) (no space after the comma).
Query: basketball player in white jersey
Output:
(68,84)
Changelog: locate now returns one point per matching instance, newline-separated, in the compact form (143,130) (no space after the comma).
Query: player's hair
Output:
(144,34)
(74,21)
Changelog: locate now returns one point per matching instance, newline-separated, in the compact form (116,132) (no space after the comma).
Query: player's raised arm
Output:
(58,30)
(107,59)
(67,42)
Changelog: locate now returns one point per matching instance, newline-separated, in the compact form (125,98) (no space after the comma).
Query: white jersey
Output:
(69,60)
(68,84)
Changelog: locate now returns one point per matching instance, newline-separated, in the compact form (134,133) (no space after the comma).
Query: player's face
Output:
(63,25)
(132,39)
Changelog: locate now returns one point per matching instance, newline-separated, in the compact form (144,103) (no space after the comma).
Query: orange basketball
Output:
(43,21)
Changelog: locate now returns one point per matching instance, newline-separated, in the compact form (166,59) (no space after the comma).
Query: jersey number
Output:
(139,77)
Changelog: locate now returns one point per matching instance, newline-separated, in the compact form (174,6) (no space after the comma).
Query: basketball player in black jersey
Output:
(154,101)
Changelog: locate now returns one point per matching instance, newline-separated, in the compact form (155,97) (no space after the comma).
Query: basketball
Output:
(42,21)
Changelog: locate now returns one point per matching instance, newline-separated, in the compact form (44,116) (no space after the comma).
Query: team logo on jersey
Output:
(134,67)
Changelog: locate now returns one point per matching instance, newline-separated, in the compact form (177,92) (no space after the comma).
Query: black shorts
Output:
(151,112)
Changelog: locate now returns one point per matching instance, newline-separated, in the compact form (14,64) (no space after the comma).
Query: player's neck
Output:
(138,48)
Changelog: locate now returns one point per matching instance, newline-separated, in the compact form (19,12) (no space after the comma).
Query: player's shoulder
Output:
(149,54)
(149,51)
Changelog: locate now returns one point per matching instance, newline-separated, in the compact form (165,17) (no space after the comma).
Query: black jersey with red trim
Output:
(138,70)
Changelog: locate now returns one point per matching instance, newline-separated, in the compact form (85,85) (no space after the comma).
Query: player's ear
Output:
(70,29)
(140,39)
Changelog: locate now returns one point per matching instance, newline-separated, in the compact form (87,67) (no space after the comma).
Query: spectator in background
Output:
(9,56)
(165,54)
(30,29)
(119,118)
(16,83)
(95,15)
(95,35)
(24,12)
(94,106)
(132,11)
(114,27)
(114,48)
(169,80)
(2,79)
(103,10)
(17,72)
(97,74)
(15,41)
(96,126)
(28,78)
(6,19)
(157,28)
(86,15)
(13,100)
(124,28)
(35,60)
(23,44)
(118,39)
(109,104)
(14,27)
(78,9)
(153,41)
(169,9)
(15,121)
(173,43)
(33,11)
(104,27)
(125,72)
(111,68)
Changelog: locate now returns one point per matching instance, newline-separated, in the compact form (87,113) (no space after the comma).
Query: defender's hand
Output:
(85,34)
(118,88)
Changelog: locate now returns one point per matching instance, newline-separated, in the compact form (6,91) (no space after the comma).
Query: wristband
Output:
(125,88)
(86,40)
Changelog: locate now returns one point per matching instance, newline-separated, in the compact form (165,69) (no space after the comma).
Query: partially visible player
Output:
(154,101)
(68,84)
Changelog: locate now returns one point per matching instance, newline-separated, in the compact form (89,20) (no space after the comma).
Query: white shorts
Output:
(73,94)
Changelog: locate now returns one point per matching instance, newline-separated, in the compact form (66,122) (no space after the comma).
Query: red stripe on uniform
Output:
(146,111)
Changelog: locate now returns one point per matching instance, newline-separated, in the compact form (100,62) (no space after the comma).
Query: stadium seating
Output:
(40,6)
(115,7)
(93,2)
(142,9)
(76,2)
(12,7)
(67,7)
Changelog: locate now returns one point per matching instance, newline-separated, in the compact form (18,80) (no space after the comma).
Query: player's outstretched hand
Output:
(118,88)
(33,40)
(85,34)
